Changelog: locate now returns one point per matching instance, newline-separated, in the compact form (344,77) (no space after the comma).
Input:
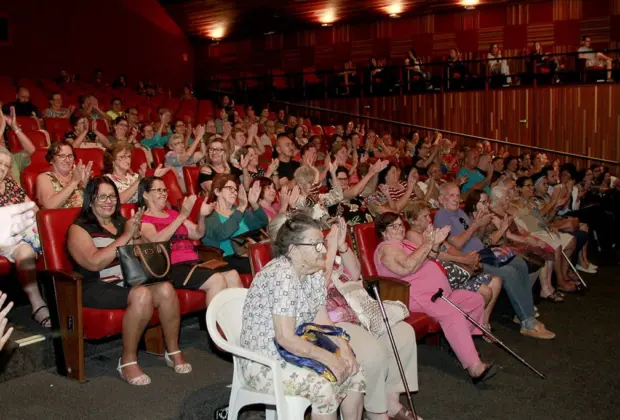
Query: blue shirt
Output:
(226,246)
(473,177)
(459,222)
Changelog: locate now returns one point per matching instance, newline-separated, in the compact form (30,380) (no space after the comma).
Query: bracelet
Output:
(346,248)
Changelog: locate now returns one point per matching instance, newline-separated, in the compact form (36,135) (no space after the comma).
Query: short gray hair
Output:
(305,175)
(445,187)
(498,193)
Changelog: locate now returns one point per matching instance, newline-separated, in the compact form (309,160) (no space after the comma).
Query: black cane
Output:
(375,289)
(439,295)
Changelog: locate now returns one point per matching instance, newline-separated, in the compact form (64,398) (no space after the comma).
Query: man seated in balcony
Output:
(497,65)
(594,59)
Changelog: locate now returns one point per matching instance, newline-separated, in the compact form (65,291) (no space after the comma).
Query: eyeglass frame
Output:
(318,246)
(113,198)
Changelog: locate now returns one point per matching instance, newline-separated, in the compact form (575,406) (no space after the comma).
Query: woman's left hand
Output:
(342,232)
(206,208)
(331,240)
(254,193)
(346,354)
(440,235)
(142,171)
(159,171)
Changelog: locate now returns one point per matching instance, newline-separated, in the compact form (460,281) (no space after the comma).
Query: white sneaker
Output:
(590,269)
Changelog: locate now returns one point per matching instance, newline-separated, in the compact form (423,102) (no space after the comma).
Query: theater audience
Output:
(465,235)
(397,257)
(180,155)
(92,241)
(475,179)
(498,66)
(392,194)
(62,186)
(289,291)
(215,162)
(116,108)
(286,166)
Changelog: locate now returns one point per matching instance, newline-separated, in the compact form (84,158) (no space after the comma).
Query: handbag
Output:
(241,243)
(367,309)
(457,275)
(144,263)
(497,256)
(319,336)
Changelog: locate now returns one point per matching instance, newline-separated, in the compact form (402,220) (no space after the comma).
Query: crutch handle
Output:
(437,295)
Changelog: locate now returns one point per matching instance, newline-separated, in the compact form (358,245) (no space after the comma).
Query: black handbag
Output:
(144,263)
(241,243)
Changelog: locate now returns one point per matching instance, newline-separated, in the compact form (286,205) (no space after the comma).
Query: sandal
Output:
(485,337)
(403,414)
(140,380)
(182,368)
(553,297)
(44,321)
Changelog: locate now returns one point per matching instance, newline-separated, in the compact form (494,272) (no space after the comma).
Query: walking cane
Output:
(439,295)
(375,289)
(574,269)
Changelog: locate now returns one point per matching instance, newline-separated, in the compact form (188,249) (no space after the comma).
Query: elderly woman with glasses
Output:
(117,167)
(230,220)
(63,185)
(289,291)
(399,258)
(81,134)
(92,241)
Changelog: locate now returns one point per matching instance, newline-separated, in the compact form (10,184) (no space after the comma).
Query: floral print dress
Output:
(14,194)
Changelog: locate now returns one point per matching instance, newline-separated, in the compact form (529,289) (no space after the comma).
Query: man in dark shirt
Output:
(287,166)
(23,106)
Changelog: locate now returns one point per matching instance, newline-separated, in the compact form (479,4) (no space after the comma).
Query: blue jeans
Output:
(516,283)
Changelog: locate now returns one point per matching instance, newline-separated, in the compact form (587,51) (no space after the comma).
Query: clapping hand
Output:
(78,172)
(293,197)
(188,205)
(206,208)
(273,166)
(242,198)
(199,132)
(133,224)
(87,172)
(253,194)
(331,240)
(4,337)
(160,171)
(142,171)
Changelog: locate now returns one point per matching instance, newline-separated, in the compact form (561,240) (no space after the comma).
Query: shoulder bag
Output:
(144,263)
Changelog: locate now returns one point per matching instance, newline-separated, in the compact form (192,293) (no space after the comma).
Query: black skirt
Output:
(178,273)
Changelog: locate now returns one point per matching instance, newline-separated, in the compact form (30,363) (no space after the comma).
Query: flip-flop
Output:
(44,320)
(553,298)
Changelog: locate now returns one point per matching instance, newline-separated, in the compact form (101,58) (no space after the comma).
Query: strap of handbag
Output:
(211,264)
(146,266)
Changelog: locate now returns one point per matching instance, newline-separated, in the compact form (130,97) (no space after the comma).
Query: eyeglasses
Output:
(318,246)
(180,125)
(343,179)
(213,150)
(396,226)
(528,185)
(125,157)
(103,198)
(233,190)
(161,191)
(65,157)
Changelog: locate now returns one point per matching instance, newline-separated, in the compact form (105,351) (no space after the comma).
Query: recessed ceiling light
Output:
(326,24)
(394,15)
(470,4)
(270,32)
(395,9)
(327,16)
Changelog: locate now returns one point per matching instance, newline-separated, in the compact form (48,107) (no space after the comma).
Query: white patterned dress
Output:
(276,290)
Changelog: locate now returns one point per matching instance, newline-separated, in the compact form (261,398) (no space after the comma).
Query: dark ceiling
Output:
(236,19)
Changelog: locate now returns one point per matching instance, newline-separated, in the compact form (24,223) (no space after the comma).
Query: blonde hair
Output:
(415,208)
(305,175)
(174,137)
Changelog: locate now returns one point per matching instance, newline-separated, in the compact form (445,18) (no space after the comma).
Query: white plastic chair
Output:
(225,310)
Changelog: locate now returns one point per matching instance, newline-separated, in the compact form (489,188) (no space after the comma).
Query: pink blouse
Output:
(181,247)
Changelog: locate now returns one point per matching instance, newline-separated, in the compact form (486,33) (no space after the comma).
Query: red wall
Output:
(557,24)
(135,37)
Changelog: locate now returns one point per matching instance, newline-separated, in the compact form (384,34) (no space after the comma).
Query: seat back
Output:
(37,159)
(159,156)
(175,194)
(57,127)
(190,174)
(367,242)
(28,123)
(53,225)
(39,138)
(138,157)
(28,179)
(260,255)
(90,155)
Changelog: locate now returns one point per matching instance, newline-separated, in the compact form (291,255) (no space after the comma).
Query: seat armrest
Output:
(389,288)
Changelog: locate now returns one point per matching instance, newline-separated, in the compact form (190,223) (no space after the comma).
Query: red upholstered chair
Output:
(5,267)
(190,173)
(159,156)
(28,123)
(28,179)
(37,159)
(40,138)
(144,114)
(317,130)
(175,194)
(103,127)
(90,155)
(57,127)
(330,130)
(367,242)
(138,157)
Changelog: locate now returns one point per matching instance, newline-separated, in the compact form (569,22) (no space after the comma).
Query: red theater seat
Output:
(5,267)
(190,173)
(90,155)
(329,130)
(57,127)
(159,156)
(138,157)
(28,123)
(367,242)
(40,138)
(28,179)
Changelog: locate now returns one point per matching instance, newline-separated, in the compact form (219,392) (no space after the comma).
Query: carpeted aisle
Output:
(581,364)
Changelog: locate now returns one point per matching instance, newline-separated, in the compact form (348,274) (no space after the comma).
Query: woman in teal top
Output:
(228,220)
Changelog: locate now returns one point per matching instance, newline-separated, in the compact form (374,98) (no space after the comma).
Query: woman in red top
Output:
(160,224)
